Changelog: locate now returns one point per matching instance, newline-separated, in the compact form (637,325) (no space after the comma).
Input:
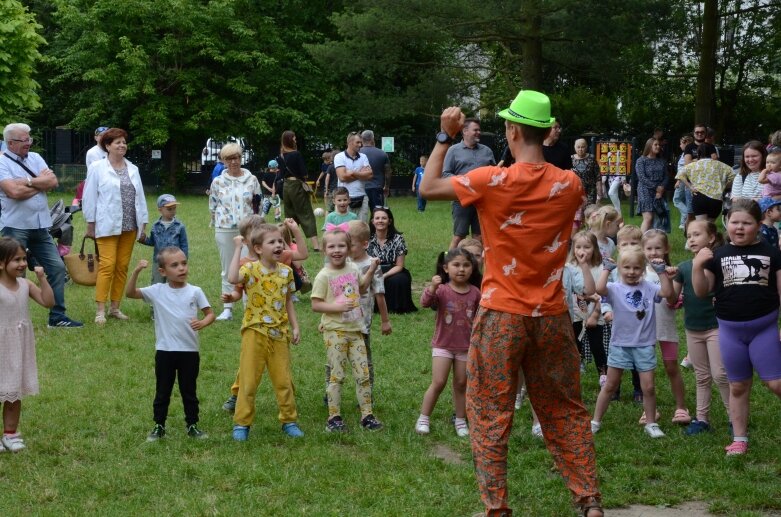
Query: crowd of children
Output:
(620,287)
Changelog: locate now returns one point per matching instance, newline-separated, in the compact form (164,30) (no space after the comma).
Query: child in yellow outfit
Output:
(269,286)
(336,294)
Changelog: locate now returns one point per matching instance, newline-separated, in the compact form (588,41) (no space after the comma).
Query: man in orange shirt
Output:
(526,213)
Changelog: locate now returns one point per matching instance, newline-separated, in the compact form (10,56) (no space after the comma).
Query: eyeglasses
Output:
(27,140)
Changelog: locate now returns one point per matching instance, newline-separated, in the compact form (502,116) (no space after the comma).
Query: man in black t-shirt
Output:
(690,152)
(556,152)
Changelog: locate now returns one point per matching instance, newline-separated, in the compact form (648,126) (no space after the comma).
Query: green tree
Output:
(174,71)
(18,55)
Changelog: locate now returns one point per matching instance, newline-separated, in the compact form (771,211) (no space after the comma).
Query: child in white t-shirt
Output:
(176,304)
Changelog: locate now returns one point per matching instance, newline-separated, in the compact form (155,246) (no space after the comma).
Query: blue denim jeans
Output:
(680,202)
(41,246)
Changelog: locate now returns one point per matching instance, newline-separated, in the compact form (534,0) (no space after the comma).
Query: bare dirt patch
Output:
(688,509)
(447,454)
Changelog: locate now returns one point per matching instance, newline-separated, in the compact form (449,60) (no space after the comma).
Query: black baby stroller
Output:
(62,226)
(61,230)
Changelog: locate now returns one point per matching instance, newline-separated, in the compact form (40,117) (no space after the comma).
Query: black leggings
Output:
(594,336)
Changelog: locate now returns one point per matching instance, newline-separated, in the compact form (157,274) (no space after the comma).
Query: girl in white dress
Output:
(18,371)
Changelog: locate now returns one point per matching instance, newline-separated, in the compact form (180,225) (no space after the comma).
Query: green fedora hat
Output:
(530,108)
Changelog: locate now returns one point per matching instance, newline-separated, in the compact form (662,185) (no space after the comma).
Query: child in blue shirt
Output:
(417,176)
(167,231)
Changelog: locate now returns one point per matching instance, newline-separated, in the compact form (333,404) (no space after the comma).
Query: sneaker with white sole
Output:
(292,430)
(240,433)
(194,432)
(686,363)
(537,431)
(13,442)
(335,425)
(422,426)
(370,423)
(225,315)
(653,431)
(230,404)
(63,322)
(157,433)
(595,426)
(462,430)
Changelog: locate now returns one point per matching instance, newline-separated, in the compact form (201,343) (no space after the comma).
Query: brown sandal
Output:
(591,504)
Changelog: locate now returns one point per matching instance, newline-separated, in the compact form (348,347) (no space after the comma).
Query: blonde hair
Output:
(471,243)
(588,236)
(332,233)
(629,232)
(359,230)
(589,211)
(250,223)
(230,149)
(606,214)
(259,234)
(631,253)
(655,233)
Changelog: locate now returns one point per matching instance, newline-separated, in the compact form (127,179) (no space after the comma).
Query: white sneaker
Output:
(225,315)
(653,431)
(686,363)
(602,381)
(595,426)
(519,398)
(537,431)
(422,427)
(13,443)
(461,429)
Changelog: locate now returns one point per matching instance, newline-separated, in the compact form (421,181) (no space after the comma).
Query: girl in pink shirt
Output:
(456,300)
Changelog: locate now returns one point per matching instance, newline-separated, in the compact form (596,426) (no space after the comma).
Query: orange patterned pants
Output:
(545,349)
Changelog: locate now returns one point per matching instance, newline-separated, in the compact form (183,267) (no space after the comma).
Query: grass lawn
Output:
(86,430)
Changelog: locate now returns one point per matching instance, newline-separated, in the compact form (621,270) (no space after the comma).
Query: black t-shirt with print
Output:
(745,286)
(691,149)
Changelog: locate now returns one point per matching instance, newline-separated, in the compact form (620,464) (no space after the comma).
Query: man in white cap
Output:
(96,152)
(526,213)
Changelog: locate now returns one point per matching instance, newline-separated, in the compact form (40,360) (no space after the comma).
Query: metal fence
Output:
(65,149)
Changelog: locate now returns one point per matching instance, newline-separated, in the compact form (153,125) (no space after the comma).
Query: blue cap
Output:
(766,203)
(272,164)
(166,200)
(101,130)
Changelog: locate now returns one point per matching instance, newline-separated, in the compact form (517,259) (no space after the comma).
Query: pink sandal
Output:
(736,448)
(682,417)
(643,420)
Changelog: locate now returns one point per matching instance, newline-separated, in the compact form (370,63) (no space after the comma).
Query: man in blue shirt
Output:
(24,180)
(378,187)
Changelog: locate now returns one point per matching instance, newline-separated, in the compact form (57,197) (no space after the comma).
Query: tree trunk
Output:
(705,98)
(532,53)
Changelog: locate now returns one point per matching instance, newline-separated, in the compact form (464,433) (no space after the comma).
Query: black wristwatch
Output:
(444,138)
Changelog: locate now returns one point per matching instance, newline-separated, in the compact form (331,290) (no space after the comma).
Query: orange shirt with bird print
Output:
(526,213)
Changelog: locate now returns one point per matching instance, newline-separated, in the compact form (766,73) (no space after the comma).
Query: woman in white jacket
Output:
(230,200)
(115,210)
